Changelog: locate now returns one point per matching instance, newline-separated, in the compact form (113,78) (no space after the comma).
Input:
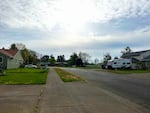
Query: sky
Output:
(61,27)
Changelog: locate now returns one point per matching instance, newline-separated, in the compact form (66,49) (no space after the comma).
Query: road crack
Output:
(37,105)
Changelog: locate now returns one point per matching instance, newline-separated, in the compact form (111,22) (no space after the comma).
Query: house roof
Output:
(9,52)
(132,54)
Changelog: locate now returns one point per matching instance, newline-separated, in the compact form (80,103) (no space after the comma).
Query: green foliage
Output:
(66,76)
(61,58)
(73,59)
(52,60)
(45,58)
(126,50)
(85,57)
(107,57)
(25,54)
(79,62)
(13,46)
(24,76)
(2,72)
(29,56)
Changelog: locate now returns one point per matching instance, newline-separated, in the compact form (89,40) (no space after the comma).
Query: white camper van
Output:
(121,63)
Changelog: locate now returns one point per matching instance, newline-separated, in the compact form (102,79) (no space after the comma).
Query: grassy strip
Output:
(24,76)
(127,71)
(66,76)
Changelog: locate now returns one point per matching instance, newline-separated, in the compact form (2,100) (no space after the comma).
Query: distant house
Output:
(10,58)
(140,59)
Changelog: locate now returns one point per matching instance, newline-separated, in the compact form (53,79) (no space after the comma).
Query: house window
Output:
(1,59)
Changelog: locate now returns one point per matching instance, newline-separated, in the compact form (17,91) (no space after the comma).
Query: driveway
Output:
(19,98)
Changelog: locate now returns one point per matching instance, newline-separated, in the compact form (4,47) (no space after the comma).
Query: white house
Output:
(10,58)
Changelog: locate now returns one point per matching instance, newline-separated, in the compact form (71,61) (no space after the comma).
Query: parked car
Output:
(30,66)
(43,66)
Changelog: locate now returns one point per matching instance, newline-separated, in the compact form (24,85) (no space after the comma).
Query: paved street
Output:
(135,87)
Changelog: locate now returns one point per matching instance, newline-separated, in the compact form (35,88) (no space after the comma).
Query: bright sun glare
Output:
(73,15)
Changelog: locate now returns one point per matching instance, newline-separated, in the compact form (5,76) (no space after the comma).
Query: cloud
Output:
(136,37)
(94,26)
(46,14)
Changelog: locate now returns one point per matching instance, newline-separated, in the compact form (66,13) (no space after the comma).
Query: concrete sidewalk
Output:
(81,97)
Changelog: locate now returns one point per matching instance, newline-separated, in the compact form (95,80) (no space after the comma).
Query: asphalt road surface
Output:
(135,88)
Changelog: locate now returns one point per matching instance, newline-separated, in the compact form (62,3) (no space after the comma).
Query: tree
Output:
(107,57)
(85,57)
(29,56)
(73,59)
(25,54)
(13,46)
(18,46)
(126,50)
(79,62)
(45,58)
(61,58)
(32,57)
(52,60)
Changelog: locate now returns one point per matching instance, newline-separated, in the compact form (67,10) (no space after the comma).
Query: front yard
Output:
(24,76)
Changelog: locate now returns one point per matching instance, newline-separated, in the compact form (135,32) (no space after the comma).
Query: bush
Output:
(22,65)
(2,72)
(38,66)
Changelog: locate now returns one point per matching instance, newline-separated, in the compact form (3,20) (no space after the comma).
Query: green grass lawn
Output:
(127,71)
(24,76)
(66,76)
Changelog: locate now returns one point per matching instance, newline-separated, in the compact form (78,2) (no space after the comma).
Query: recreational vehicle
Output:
(119,64)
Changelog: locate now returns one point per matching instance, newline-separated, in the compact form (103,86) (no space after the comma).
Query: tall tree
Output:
(79,62)
(45,58)
(73,59)
(25,54)
(29,56)
(85,57)
(126,50)
(13,46)
(61,58)
(52,60)
(107,57)
(33,57)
